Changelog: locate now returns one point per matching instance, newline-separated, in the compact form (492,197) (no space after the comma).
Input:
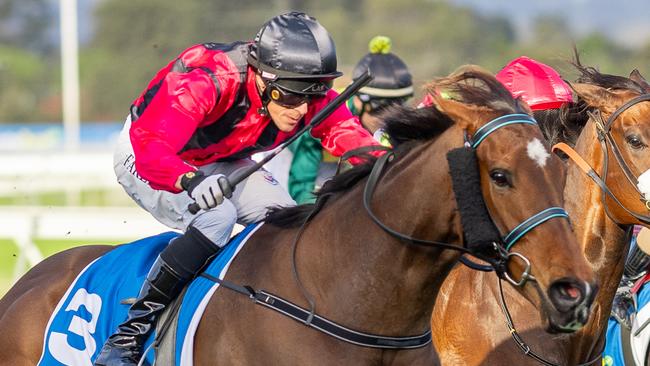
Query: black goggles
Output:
(287,98)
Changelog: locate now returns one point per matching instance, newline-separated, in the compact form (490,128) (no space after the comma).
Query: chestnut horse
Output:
(607,104)
(357,274)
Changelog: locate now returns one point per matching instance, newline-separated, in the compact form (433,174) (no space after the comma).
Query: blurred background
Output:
(69,70)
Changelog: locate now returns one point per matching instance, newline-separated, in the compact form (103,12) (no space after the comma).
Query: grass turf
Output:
(9,255)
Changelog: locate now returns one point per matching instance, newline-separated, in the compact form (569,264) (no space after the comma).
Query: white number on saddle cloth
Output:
(58,344)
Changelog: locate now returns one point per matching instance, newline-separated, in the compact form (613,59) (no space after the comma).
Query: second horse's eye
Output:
(500,178)
(635,142)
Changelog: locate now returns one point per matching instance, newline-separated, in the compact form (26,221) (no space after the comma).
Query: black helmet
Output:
(392,78)
(295,52)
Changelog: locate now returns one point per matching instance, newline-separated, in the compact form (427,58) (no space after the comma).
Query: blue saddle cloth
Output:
(613,352)
(91,308)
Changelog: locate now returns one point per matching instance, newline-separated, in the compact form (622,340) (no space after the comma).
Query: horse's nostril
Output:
(569,291)
(566,294)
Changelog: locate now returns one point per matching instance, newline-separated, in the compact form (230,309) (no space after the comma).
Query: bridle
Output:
(501,248)
(606,139)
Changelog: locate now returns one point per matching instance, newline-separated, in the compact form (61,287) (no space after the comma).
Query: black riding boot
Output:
(177,264)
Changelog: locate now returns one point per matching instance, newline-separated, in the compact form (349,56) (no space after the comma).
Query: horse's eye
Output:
(635,142)
(500,178)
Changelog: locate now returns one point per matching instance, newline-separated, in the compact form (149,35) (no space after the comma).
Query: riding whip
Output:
(238,176)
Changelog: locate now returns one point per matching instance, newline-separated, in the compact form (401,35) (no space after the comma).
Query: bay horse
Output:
(357,274)
(609,109)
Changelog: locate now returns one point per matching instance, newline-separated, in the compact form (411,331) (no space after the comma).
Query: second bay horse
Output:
(599,220)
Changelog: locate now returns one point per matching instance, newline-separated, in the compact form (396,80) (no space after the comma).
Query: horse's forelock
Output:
(471,84)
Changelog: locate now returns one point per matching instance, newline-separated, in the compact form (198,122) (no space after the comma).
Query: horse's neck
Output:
(374,281)
(602,240)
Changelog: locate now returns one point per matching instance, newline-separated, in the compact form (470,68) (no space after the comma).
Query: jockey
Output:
(201,118)
(392,84)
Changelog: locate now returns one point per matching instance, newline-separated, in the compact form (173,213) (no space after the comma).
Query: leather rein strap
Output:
(525,348)
(310,318)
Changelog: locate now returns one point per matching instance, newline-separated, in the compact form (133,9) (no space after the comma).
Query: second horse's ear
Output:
(636,76)
(466,116)
(595,96)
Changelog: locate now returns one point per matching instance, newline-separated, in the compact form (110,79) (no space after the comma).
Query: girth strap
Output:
(322,324)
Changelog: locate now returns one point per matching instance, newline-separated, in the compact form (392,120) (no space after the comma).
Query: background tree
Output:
(27,24)
(28,89)
(133,39)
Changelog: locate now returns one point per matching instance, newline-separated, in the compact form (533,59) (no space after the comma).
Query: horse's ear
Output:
(465,116)
(636,76)
(595,96)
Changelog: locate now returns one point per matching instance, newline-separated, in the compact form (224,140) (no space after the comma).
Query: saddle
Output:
(94,304)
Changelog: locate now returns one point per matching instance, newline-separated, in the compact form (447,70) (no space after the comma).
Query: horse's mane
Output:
(590,75)
(566,123)
(563,124)
(408,127)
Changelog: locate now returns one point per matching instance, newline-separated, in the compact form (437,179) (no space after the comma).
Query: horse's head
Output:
(619,117)
(521,183)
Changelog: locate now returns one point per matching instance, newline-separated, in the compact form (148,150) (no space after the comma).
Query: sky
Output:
(625,21)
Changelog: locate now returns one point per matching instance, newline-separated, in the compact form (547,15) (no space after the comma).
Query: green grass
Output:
(87,197)
(9,255)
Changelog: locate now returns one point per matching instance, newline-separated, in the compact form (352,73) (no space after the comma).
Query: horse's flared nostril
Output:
(566,294)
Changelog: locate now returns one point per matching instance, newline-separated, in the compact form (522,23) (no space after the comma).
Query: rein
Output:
(525,348)
(502,248)
(309,317)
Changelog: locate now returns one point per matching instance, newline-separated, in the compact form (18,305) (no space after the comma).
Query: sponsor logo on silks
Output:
(316,88)
(129,164)
(269,178)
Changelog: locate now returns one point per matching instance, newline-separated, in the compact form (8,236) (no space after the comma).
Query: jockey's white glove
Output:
(207,191)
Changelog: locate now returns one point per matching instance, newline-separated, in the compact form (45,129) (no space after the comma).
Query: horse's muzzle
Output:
(572,301)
